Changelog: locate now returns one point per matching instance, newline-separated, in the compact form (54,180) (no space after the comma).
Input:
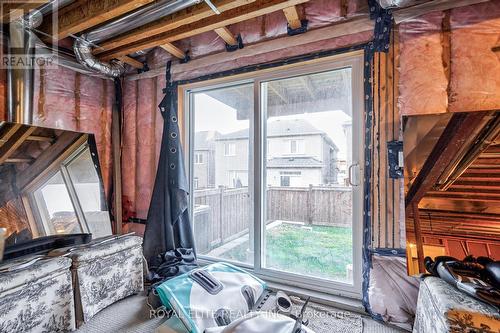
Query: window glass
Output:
(223,205)
(308,213)
(55,208)
(87,187)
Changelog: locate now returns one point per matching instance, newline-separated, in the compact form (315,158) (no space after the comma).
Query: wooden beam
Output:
(449,144)
(65,144)
(292,17)
(14,142)
(83,15)
(170,22)
(258,8)
(418,238)
(40,138)
(226,35)
(19,160)
(12,10)
(173,50)
(132,62)
(357,25)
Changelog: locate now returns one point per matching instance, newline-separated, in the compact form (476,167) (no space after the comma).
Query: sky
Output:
(213,115)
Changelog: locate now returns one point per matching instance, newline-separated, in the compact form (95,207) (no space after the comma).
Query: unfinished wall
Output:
(448,60)
(142,123)
(68,100)
(387,193)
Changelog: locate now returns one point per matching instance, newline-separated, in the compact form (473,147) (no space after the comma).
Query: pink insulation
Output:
(142,130)
(474,78)
(68,100)
(422,83)
(3,82)
(475,68)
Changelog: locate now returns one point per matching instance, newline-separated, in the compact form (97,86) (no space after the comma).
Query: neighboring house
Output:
(204,159)
(298,154)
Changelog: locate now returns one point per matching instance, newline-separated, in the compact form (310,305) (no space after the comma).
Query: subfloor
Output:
(131,315)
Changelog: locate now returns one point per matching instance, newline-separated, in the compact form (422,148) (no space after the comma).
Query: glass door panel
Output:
(308,211)
(221,141)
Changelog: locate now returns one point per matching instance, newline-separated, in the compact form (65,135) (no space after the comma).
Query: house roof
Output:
(282,127)
(279,127)
(294,162)
(204,140)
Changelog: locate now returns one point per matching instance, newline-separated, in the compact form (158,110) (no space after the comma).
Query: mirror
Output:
(50,184)
(452,186)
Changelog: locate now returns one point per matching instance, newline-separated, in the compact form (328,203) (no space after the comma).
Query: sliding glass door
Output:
(275,163)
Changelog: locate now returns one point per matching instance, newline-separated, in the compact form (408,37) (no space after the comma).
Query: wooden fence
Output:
(222,215)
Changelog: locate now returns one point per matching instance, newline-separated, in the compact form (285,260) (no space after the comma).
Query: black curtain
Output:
(168,225)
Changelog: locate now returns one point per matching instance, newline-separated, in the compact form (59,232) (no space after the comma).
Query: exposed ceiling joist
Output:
(226,35)
(170,22)
(258,8)
(15,140)
(82,15)
(293,17)
(452,141)
(173,50)
(132,62)
(12,10)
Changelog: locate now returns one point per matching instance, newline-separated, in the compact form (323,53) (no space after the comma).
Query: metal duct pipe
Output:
(20,79)
(149,13)
(399,3)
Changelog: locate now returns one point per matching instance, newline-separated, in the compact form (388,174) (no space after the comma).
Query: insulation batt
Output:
(3,81)
(474,79)
(422,82)
(68,100)
(475,68)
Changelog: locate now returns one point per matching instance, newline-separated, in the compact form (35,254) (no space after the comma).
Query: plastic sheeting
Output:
(474,78)
(392,293)
(68,100)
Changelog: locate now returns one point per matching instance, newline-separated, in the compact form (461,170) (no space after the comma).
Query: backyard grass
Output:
(315,251)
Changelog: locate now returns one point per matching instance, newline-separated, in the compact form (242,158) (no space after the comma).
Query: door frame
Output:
(354,60)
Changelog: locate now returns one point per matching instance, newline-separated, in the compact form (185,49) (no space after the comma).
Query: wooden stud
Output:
(82,15)
(116,143)
(418,237)
(170,22)
(173,50)
(293,17)
(132,62)
(226,35)
(258,8)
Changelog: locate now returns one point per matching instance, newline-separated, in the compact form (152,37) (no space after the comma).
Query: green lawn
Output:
(316,251)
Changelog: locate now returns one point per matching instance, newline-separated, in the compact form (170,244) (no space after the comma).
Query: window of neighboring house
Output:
(198,158)
(196,183)
(230,149)
(296,146)
(264,214)
(285,177)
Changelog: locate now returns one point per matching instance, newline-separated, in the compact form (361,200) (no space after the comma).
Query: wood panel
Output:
(387,223)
